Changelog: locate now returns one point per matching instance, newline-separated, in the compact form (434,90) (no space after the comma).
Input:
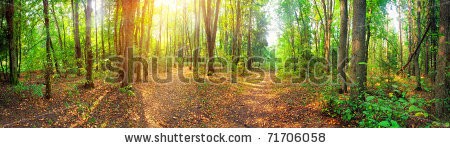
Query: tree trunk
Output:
(410,35)
(417,40)
(237,35)
(400,38)
(149,28)
(249,38)
(48,65)
(142,29)
(117,30)
(210,29)
(328,6)
(433,38)
(89,61)
(76,35)
(97,60)
(54,56)
(102,34)
(128,29)
(342,57)
(60,41)
(441,87)
(369,31)
(138,69)
(196,35)
(359,55)
(13,73)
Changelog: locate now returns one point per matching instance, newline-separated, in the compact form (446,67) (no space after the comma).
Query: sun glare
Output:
(172,4)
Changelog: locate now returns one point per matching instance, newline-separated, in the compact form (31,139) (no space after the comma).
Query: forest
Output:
(225,63)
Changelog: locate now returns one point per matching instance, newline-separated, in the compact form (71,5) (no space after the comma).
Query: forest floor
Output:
(175,104)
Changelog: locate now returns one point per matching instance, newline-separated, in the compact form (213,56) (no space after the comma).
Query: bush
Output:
(127,90)
(33,89)
(383,111)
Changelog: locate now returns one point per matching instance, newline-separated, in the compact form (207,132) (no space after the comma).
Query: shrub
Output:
(381,111)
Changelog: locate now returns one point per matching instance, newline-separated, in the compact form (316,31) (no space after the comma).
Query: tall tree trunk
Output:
(48,65)
(369,31)
(128,29)
(410,35)
(400,38)
(60,41)
(249,38)
(149,28)
(54,56)
(88,48)
(13,73)
(196,35)
(359,55)
(102,34)
(417,40)
(141,29)
(434,37)
(441,87)
(109,33)
(342,57)
(210,29)
(97,60)
(18,38)
(328,10)
(76,35)
(237,35)
(117,30)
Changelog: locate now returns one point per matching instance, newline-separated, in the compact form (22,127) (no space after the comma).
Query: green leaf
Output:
(370,98)
(384,124)
(394,124)
(362,63)
(421,114)
(414,108)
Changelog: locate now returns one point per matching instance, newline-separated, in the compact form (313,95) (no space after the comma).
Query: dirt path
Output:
(265,104)
(175,104)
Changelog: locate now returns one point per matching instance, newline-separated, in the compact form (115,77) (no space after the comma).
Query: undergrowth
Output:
(381,110)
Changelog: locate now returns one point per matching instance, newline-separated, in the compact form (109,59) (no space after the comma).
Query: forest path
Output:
(174,104)
(264,104)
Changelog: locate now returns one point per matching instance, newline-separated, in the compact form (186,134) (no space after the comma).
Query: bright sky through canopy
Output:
(274,27)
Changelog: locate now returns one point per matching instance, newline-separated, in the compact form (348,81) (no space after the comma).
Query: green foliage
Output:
(392,112)
(73,91)
(128,90)
(33,89)
(381,111)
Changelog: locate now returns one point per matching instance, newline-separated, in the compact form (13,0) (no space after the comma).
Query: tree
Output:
(14,80)
(328,9)
(76,36)
(441,87)
(210,19)
(399,10)
(128,6)
(416,41)
(433,37)
(343,51)
(237,40)
(59,39)
(196,53)
(359,50)
(88,48)
(48,64)
(249,37)
(410,34)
